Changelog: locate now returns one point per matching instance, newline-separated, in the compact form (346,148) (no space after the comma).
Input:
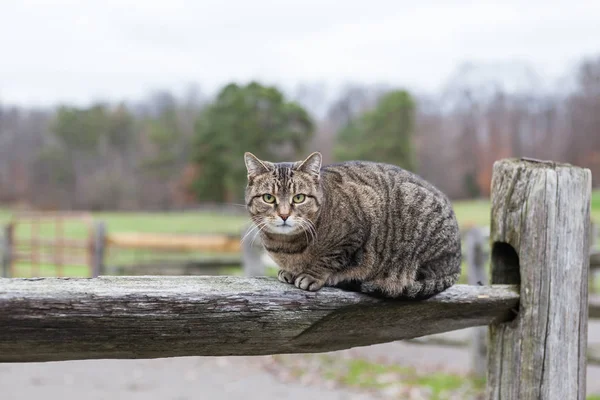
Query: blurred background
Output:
(123,126)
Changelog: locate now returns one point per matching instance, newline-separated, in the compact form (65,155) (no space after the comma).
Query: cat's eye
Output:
(268,198)
(299,198)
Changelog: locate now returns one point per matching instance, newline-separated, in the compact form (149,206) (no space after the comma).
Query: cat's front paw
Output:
(285,276)
(307,282)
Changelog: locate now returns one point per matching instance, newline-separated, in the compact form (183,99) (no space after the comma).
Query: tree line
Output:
(169,152)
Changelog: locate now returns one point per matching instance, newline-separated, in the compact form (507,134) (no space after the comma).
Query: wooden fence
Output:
(476,255)
(41,239)
(92,248)
(210,253)
(536,307)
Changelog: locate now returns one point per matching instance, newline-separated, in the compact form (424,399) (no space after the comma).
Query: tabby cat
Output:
(363,226)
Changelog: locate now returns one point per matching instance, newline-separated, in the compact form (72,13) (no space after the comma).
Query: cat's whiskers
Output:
(312,228)
(256,222)
(306,230)
(255,229)
(236,204)
(258,232)
(307,226)
(251,230)
(302,226)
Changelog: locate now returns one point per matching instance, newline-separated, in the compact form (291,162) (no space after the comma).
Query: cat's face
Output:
(284,198)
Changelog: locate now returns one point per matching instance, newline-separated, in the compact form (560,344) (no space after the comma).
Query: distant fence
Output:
(208,254)
(476,256)
(41,239)
(175,242)
(46,244)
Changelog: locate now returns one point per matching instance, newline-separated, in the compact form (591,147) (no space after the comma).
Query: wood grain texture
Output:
(539,235)
(47,319)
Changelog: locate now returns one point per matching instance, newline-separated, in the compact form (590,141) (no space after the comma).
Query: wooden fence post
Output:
(98,265)
(476,274)
(540,240)
(252,263)
(7,240)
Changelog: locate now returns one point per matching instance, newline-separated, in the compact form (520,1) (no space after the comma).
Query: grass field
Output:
(168,222)
(469,213)
(477,212)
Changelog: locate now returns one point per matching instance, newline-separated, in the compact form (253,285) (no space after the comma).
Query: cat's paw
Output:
(285,276)
(307,282)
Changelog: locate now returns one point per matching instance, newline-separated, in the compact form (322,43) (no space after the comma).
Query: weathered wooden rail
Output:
(147,317)
(536,306)
(476,255)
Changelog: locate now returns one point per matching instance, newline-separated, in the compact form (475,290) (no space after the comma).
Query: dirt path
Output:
(169,379)
(215,378)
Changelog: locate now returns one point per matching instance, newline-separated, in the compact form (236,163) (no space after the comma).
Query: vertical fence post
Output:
(7,248)
(476,274)
(540,240)
(99,249)
(252,263)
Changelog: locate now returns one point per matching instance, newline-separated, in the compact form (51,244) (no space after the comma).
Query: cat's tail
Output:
(418,290)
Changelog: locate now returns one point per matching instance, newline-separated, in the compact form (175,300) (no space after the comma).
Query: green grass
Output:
(596,205)
(377,378)
(472,212)
(369,376)
(477,212)
(372,377)
(174,222)
(366,374)
(23,270)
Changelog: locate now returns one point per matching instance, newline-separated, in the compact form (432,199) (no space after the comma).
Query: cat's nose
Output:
(284,217)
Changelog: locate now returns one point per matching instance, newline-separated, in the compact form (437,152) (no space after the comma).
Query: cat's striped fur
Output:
(363,226)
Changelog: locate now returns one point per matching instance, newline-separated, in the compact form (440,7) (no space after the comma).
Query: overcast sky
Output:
(78,51)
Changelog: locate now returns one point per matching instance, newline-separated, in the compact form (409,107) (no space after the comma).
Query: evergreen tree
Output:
(384,134)
(251,118)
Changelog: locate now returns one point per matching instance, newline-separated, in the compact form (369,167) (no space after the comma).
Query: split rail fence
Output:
(535,307)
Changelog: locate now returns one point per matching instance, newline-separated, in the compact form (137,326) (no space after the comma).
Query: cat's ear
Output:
(254,165)
(312,164)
